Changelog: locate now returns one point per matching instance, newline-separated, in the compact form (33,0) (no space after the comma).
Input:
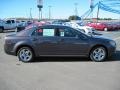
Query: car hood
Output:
(101,37)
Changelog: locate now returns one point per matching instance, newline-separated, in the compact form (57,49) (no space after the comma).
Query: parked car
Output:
(84,29)
(35,24)
(57,40)
(100,26)
(21,26)
(25,25)
(58,22)
(7,24)
(116,25)
(29,22)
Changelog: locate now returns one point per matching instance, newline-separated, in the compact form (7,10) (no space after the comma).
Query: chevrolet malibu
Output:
(57,40)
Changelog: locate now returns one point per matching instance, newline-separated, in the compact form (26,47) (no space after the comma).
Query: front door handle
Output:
(34,39)
(61,40)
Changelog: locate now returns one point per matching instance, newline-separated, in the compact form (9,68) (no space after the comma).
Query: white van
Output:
(7,24)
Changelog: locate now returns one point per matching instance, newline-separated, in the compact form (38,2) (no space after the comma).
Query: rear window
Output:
(25,32)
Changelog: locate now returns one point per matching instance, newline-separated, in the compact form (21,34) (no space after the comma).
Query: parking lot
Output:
(60,73)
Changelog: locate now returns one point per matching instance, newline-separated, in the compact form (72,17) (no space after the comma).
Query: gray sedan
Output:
(57,40)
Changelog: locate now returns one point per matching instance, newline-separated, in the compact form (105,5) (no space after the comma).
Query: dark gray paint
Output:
(56,46)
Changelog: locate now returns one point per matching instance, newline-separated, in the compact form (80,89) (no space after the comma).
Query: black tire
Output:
(98,55)
(1,29)
(23,56)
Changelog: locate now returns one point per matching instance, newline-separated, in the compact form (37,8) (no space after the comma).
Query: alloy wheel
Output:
(98,54)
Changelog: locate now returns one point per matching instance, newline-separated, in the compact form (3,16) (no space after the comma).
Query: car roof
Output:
(53,26)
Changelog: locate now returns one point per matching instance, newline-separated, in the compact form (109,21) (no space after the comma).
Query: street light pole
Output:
(50,12)
(40,14)
(98,11)
(40,6)
(76,9)
(91,7)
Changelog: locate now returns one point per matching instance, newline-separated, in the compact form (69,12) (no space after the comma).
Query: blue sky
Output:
(60,8)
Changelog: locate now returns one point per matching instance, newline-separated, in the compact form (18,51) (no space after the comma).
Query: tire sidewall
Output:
(18,54)
(91,54)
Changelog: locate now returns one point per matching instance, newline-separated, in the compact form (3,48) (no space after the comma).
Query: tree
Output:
(73,17)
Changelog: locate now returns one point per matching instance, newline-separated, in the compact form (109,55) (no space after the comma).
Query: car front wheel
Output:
(25,54)
(98,54)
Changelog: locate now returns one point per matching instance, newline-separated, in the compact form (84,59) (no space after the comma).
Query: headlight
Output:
(113,43)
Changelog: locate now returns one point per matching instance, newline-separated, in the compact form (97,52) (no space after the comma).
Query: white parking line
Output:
(117,38)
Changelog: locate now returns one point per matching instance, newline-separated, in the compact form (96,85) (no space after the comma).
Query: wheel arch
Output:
(98,45)
(20,46)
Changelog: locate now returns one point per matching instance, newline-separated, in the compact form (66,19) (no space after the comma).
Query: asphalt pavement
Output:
(60,73)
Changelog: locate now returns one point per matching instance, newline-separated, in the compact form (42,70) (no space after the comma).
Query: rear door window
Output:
(45,32)
(48,32)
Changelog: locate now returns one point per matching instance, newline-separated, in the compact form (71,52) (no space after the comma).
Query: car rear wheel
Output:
(1,30)
(25,54)
(98,54)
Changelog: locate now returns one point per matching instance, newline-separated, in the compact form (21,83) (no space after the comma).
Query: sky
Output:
(61,9)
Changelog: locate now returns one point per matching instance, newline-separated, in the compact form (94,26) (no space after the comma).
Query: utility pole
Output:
(49,12)
(91,7)
(30,14)
(40,6)
(98,11)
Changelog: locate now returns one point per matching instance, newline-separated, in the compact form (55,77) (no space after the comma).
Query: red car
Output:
(100,26)
(116,25)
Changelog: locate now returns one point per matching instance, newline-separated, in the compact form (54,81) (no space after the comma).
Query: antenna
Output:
(92,8)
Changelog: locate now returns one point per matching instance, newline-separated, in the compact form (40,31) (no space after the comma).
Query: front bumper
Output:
(111,50)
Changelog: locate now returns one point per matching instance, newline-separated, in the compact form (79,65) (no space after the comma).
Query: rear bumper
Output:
(8,51)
